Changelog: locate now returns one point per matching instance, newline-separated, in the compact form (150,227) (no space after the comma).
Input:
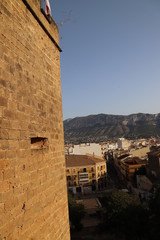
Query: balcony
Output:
(83,177)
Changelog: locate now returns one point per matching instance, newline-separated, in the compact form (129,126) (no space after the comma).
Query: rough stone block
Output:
(33,194)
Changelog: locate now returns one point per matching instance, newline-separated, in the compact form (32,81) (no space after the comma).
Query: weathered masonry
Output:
(33,193)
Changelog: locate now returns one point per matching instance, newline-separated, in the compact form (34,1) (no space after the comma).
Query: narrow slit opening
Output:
(39,143)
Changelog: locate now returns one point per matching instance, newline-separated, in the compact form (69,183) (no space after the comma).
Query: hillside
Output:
(103,126)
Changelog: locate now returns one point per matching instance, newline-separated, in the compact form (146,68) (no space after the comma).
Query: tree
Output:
(155,202)
(135,223)
(76,212)
(124,215)
(141,171)
(155,215)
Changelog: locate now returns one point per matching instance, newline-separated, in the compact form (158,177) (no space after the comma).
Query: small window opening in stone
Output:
(39,142)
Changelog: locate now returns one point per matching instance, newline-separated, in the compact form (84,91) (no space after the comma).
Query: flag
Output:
(48,8)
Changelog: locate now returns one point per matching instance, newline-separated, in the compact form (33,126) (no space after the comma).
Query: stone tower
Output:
(33,193)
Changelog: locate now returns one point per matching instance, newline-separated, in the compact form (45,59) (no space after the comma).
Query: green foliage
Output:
(155,202)
(155,215)
(135,222)
(76,212)
(116,200)
(141,171)
(124,215)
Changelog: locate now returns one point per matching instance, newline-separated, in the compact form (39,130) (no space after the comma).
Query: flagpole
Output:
(48,7)
(41,4)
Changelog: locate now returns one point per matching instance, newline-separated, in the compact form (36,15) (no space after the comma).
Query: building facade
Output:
(129,165)
(85,173)
(33,190)
(126,165)
(88,148)
(123,143)
(154,163)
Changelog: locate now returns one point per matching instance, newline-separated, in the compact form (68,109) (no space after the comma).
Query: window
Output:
(68,178)
(39,143)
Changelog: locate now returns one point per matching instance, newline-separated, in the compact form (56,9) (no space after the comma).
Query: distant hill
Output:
(101,127)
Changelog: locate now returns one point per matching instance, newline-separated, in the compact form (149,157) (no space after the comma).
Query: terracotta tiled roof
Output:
(82,160)
(134,160)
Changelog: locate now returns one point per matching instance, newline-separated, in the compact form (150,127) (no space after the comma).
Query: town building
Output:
(68,149)
(154,163)
(129,165)
(33,190)
(112,145)
(98,149)
(140,152)
(85,173)
(88,148)
(104,149)
(126,164)
(123,143)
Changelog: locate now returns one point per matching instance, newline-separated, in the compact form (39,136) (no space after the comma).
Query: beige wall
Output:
(95,172)
(33,193)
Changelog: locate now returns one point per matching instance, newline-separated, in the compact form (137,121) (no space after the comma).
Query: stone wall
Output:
(33,194)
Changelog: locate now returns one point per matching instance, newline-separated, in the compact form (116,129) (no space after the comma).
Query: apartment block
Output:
(88,148)
(123,143)
(85,173)
(154,162)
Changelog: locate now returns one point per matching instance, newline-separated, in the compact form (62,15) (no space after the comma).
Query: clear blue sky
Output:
(111,56)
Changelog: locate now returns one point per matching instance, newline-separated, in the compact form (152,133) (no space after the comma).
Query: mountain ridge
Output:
(100,127)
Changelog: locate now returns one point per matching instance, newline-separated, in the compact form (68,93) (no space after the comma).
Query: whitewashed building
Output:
(88,148)
(123,143)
